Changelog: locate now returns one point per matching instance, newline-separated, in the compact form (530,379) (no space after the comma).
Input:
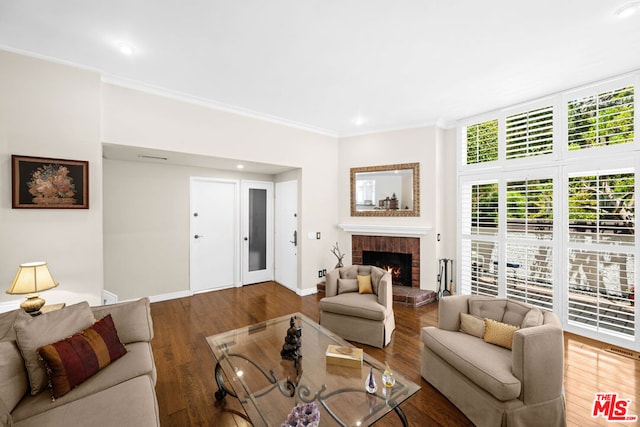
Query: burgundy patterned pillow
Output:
(73,360)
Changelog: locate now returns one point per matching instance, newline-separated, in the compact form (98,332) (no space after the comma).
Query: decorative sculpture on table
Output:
(336,252)
(292,342)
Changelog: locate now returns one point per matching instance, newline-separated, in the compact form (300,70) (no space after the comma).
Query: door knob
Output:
(197,236)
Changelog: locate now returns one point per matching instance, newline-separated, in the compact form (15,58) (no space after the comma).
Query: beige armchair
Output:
(366,318)
(494,385)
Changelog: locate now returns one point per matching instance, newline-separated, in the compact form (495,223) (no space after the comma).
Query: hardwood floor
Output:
(185,364)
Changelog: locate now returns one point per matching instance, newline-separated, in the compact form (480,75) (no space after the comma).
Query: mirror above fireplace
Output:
(388,190)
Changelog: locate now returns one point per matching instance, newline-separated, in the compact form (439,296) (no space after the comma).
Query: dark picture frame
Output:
(45,183)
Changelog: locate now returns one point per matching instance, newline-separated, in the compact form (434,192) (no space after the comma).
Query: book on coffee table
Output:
(344,356)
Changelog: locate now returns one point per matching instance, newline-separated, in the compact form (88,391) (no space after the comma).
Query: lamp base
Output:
(32,304)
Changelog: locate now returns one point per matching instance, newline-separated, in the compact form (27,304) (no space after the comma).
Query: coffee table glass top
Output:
(268,387)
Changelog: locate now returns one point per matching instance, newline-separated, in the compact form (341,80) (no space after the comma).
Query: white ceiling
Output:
(327,64)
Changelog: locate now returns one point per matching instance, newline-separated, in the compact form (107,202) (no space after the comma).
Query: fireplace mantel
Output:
(392,230)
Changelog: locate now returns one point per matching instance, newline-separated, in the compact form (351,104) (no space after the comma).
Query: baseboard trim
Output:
(307,291)
(9,306)
(170,296)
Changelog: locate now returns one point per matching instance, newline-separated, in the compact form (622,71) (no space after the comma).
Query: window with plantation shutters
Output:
(530,133)
(546,199)
(529,250)
(482,142)
(602,119)
(601,259)
(480,238)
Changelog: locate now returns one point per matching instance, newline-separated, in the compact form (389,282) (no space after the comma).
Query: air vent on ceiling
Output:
(623,352)
(144,156)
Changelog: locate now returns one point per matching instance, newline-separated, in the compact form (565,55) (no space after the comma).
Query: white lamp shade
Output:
(32,277)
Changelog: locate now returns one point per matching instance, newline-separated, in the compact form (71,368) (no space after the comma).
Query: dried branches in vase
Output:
(336,251)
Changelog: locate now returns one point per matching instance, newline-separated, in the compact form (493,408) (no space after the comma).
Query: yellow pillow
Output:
(364,284)
(499,333)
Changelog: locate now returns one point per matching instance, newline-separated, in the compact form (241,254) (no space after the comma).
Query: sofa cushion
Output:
(533,318)
(13,375)
(350,272)
(73,360)
(132,319)
(364,284)
(499,333)
(376,275)
(5,416)
(471,325)
(487,307)
(347,285)
(48,327)
(515,312)
(137,362)
(488,366)
(354,304)
(7,320)
(131,403)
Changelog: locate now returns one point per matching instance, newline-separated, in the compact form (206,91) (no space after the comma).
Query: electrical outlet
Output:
(318,235)
(324,273)
(320,273)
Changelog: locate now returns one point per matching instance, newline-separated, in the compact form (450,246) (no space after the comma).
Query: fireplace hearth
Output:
(399,265)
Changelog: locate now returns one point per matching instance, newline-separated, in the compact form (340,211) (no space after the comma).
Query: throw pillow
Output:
(471,325)
(13,376)
(347,285)
(533,318)
(132,319)
(73,360)
(499,333)
(34,332)
(364,284)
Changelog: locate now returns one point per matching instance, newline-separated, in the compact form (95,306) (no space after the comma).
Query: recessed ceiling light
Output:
(359,120)
(126,49)
(627,10)
(240,166)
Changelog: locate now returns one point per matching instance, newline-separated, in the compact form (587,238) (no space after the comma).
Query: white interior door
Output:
(214,234)
(257,245)
(286,235)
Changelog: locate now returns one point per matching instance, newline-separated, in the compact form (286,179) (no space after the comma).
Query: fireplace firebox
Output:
(399,265)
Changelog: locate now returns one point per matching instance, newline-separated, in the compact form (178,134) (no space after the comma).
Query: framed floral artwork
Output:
(42,183)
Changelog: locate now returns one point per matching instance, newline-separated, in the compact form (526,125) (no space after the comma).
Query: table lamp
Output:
(32,277)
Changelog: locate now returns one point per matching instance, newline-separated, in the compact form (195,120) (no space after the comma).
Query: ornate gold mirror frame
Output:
(391,204)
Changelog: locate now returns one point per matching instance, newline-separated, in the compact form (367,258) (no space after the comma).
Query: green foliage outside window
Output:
(482,142)
(602,119)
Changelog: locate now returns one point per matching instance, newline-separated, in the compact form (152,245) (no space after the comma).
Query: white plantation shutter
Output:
(529,262)
(601,259)
(479,244)
(602,119)
(482,142)
(530,133)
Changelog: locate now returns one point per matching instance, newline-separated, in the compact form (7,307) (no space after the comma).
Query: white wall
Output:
(140,119)
(431,147)
(146,226)
(51,110)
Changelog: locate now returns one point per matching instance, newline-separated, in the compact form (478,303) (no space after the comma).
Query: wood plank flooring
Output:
(186,383)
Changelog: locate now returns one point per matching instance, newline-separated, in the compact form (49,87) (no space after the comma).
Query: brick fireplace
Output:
(393,244)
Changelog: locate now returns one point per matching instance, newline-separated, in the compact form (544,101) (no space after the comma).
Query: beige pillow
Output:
(13,376)
(44,329)
(499,333)
(347,285)
(364,284)
(471,325)
(533,318)
(132,319)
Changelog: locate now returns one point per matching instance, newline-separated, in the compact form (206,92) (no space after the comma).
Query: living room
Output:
(133,241)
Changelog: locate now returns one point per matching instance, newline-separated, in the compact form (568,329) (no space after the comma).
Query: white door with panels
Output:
(257,232)
(214,230)
(286,234)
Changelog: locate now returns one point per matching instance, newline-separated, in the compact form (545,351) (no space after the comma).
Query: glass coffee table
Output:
(250,368)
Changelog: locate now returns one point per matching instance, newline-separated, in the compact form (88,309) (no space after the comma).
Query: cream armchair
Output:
(515,383)
(366,318)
